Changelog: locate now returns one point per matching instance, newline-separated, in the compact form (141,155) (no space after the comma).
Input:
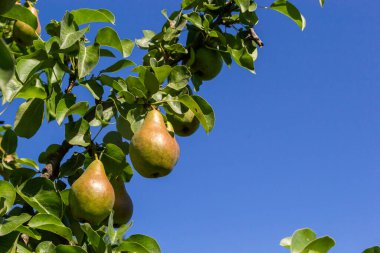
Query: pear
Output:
(153,151)
(184,125)
(208,63)
(23,33)
(92,196)
(123,207)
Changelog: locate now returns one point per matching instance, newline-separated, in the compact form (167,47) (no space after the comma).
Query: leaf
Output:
(71,165)
(6,6)
(94,88)
(322,2)
(131,247)
(52,224)
(301,238)
(69,34)
(12,223)
(108,37)
(83,16)
(8,195)
(32,89)
(8,243)
(202,110)
(113,159)
(69,249)
(9,141)
(28,162)
(319,245)
(28,65)
(30,232)
(144,42)
(372,250)
(243,4)
(78,133)
(93,238)
(29,118)
(149,243)
(67,101)
(286,242)
(194,18)
(7,66)
(289,10)
(118,66)
(179,77)
(162,72)
(136,86)
(45,247)
(40,194)
(19,12)
(88,59)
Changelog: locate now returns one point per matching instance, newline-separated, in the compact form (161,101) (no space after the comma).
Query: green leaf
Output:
(19,12)
(6,6)
(28,65)
(88,59)
(243,4)
(93,238)
(9,141)
(144,42)
(286,242)
(45,247)
(109,37)
(322,2)
(94,88)
(79,108)
(8,195)
(78,133)
(118,66)
(7,66)
(30,232)
(69,34)
(32,89)
(40,194)
(28,162)
(113,159)
(147,242)
(71,165)
(52,224)
(29,117)
(162,72)
(202,110)
(289,10)
(372,250)
(67,101)
(301,238)
(8,243)
(136,86)
(12,223)
(320,245)
(83,16)
(69,249)
(131,247)
(179,77)
(194,18)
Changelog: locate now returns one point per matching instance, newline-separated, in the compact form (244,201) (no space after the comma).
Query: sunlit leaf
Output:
(52,224)
(8,194)
(83,16)
(88,59)
(289,10)
(7,66)
(29,118)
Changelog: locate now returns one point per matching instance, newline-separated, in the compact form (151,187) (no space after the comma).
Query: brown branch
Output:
(51,169)
(253,35)
(72,80)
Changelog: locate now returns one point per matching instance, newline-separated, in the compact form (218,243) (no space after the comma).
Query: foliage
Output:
(47,75)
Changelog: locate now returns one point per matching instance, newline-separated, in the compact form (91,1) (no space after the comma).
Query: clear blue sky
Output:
(297,145)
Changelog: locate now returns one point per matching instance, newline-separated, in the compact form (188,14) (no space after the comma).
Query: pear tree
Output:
(53,208)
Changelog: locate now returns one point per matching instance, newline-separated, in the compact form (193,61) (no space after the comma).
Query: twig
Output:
(253,35)
(51,169)
(72,80)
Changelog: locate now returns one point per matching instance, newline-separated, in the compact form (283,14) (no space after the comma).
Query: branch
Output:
(72,80)
(253,35)
(51,169)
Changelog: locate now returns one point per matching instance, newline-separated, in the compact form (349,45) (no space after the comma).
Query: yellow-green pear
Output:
(23,33)
(123,207)
(153,150)
(92,196)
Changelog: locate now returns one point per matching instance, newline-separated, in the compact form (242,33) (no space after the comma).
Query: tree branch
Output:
(253,35)
(72,80)
(51,169)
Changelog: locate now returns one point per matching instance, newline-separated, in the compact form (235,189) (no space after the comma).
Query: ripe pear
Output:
(153,151)
(123,207)
(208,63)
(184,125)
(23,33)
(92,196)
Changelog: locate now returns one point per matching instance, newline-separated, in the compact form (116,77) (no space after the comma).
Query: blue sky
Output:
(296,145)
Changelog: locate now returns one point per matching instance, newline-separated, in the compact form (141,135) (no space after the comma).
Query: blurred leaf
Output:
(50,150)
(372,250)
(301,238)
(28,162)
(144,42)
(195,19)
(30,232)
(29,117)
(118,66)
(108,37)
(9,141)
(106,53)
(83,16)
(12,223)
(136,86)
(113,159)
(8,243)
(32,89)
(69,249)
(19,12)
(52,224)
(28,65)
(149,243)
(179,77)
(94,87)
(286,242)
(40,194)
(88,59)
(6,6)
(8,194)
(78,133)
(131,247)
(319,245)
(243,4)
(7,66)
(45,247)
(289,10)
(322,2)
(162,72)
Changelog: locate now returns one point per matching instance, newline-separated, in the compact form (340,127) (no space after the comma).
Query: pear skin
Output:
(208,63)
(184,125)
(92,196)
(123,207)
(23,33)
(153,151)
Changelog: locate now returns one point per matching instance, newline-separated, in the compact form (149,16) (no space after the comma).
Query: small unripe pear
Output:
(208,63)
(23,33)
(92,196)
(184,125)
(153,151)
(123,207)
